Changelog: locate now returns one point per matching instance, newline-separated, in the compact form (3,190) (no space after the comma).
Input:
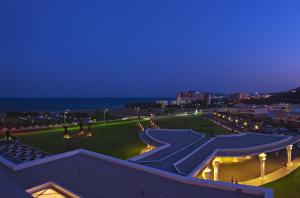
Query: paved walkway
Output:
(224,126)
(19,153)
(274,175)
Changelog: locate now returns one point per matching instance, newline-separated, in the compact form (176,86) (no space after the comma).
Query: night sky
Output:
(77,48)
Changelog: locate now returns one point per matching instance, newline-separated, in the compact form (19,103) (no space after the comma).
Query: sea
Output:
(62,104)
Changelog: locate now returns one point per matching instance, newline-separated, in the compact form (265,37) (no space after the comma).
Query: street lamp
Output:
(137,112)
(162,108)
(197,107)
(65,116)
(104,113)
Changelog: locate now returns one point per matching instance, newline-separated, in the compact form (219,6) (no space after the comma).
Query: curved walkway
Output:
(274,175)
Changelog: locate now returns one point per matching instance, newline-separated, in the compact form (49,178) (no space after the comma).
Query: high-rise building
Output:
(192,96)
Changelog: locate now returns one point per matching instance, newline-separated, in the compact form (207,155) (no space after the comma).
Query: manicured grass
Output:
(197,123)
(287,187)
(118,139)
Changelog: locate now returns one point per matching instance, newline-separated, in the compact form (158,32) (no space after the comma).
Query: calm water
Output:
(61,104)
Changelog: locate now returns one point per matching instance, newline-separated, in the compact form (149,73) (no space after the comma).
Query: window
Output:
(47,193)
(50,190)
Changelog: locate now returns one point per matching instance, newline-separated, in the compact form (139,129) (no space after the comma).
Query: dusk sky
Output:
(60,48)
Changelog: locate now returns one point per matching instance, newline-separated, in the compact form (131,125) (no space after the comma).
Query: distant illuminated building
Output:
(192,96)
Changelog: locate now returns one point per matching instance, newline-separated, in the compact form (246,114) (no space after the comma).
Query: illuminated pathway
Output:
(274,175)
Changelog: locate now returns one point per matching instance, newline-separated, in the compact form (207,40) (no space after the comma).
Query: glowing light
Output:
(147,149)
(67,136)
(245,123)
(49,192)
(89,134)
(81,133)
(206,173)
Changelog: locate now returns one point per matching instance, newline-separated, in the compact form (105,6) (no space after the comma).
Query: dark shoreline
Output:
(73,104)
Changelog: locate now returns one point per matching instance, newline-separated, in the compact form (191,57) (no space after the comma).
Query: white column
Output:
(216,163)
(289,154)
(262,159)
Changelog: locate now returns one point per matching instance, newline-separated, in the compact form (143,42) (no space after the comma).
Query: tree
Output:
(66,132)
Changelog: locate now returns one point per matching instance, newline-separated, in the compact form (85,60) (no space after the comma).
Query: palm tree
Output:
(89,131)
(81,130)
(66,132)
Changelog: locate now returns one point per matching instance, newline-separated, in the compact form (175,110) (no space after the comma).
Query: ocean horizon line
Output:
(108,97)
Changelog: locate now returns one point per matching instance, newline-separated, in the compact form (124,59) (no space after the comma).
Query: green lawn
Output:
(119,139)
(196,123)
(287,187)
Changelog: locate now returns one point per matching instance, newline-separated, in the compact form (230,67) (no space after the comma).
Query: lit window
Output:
(50,190)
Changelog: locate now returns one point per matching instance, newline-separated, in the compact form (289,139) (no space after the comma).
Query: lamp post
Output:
(162,108)
(104,113)
(137,112)
(197,109)
(65,114)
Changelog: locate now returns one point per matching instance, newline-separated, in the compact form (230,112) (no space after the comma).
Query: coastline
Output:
(71,104)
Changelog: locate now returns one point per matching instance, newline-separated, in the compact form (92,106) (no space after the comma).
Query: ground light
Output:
(67,136)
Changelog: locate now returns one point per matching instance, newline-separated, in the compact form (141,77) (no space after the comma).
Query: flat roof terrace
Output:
(90,174)
(185,152)
(169,141)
